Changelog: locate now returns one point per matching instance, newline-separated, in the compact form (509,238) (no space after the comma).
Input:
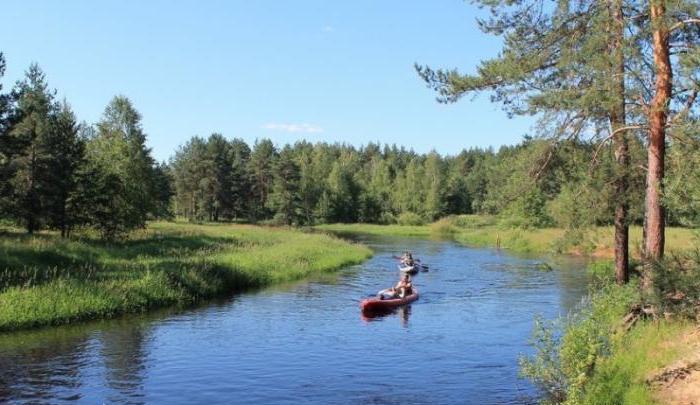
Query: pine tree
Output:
(240,179)
(194,174)
(221,158)
(163,190)
(260,167)
(6,148)
(285,199)
(29,154)
(567,63)
(66,160)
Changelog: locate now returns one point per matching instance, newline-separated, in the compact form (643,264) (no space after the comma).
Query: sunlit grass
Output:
(47,280)
(484,231)
(372,229)
(621,377)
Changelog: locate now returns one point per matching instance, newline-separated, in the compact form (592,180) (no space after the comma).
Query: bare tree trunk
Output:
(622,158)
(655,225)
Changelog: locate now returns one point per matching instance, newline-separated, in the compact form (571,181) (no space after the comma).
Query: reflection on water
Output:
(403,313)
(308,343)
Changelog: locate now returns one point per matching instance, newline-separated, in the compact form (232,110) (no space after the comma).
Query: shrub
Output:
(410,218)
(567,350)
(474,221)
(387,218)
(444,226)
(677,285)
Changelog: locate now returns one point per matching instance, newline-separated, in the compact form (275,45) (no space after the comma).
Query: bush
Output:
(443,226)
(527,211)
(474,221)
(410,218)
(387,218)
(568,350)
(677,285)
(602,274)
(574,239)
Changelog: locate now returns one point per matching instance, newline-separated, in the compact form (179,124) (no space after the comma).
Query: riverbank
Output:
(484,231)
(622,346)
(46,280)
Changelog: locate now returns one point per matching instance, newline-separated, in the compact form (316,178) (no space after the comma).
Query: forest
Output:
(64,174)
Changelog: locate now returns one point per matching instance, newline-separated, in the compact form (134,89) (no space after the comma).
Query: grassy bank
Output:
(373,229)
(609,351)
(46,280)
(485,231)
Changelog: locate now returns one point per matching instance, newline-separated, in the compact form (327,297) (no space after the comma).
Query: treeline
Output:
(60,174)
(536,183)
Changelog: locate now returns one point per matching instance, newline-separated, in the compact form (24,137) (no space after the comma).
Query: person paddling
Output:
(407,259)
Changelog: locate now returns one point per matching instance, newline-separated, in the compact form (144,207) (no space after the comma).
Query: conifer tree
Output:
(240,179)
(29,154)
(221,158)
(284,198)
(66,161)
(6,147)
(566,62)
(260,167)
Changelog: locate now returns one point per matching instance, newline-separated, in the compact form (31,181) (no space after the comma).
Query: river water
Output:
(308,343)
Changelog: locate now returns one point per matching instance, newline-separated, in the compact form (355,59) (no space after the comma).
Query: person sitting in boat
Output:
(403,288)
(407,259)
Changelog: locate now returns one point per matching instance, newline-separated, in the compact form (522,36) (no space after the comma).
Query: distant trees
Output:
(308,183)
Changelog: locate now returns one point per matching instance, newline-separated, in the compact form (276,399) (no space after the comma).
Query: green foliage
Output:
(260,167)
(527,211)
(123,176)
(285,199)
(544,369)
(46,280)
(410,218)
(602,274)
(569,351)
(620,378)
(28,150)
(677,284)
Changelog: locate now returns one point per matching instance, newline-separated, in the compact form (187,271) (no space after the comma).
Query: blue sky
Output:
(323,70)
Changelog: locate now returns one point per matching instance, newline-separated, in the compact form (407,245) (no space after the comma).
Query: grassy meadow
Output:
(46,280)
(484,231)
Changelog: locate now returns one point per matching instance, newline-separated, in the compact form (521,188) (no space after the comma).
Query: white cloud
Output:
(328,28)
(305,128)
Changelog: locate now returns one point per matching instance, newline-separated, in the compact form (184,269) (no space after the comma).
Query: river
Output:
(307,342)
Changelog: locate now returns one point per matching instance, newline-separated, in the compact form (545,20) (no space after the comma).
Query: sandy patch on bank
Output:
(679,383)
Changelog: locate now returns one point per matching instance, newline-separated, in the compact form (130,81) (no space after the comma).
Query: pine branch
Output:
(684,22)
(594,160)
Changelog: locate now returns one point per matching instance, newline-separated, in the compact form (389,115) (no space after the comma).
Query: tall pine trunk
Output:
(622,158)
(654,225)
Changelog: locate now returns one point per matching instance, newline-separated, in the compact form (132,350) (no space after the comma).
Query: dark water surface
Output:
(307,343)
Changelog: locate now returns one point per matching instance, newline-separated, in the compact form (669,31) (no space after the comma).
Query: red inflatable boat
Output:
(375,304)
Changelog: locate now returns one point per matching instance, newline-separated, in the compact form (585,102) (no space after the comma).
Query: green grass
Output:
(372,229)
(484,231)
(46,280)
(621,377)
